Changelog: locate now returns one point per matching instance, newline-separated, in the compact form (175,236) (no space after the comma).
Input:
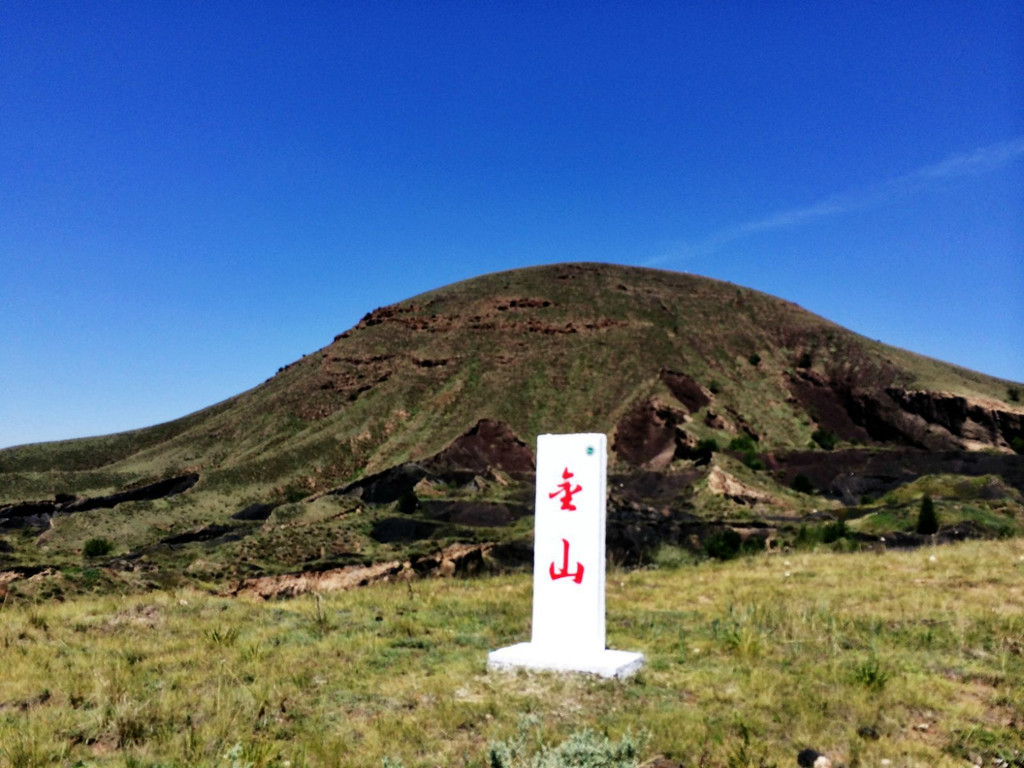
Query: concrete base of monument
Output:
(605,663)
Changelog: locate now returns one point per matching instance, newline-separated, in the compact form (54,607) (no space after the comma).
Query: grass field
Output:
(915,657)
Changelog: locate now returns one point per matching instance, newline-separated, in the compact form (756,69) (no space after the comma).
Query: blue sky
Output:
(194,194)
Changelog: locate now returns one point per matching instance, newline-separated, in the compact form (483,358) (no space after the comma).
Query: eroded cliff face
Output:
(935,421)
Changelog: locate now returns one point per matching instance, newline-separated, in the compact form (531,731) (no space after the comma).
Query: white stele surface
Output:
(569,617)
(569,564)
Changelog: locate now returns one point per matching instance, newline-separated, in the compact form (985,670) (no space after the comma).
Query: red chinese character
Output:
(577,576)
(567,491)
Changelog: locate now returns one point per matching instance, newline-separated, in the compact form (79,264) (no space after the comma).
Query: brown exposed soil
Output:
(475,514)
(455,560)
(721,483)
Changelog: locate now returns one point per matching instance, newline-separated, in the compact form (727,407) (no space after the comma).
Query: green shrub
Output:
(743,443)
(1017,443)
(97,548)
(1014,394)
(927,520)
(583,749)
(747,448)
(805,361)
(834,532)
(826,438)
(753,461)
(802,484)
(754,359)
(871,674)
(723,545)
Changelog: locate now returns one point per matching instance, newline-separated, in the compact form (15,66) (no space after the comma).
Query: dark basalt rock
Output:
(224,533)
(158,490)
(487,445)
(387,486)
(27,514)
(394,529)
(474,513)
(37,514)
(651,435)
(686,390)
(850,474)
(254,512)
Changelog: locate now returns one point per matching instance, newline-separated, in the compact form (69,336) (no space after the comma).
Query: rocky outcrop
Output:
(686,390)
(455,560)
(973,423)
(651,436)
(850,475)
(934,421)
(38,514)
(721,483)
(158,490)
(486,446)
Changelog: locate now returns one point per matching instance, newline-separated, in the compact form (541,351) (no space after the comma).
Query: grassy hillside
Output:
(677,369)
(914,657)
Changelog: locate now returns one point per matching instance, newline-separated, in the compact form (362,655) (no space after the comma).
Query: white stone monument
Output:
(569,564)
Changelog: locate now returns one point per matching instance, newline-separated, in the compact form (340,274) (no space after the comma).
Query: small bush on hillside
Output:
(753,461)
(1014,394)
(805,361)
(927,520)
(754,359)
(723,545)
(715,386)
(826,438)
(802,484)
(743,444)
(1017,444)
(97,548)
(834,532)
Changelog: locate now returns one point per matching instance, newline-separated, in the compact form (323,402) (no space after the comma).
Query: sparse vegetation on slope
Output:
(454,386)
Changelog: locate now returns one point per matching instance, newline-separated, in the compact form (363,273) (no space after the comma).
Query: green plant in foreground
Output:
(583,749)
(871,674)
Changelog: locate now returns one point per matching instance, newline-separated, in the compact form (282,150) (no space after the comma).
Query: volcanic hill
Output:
(407,442)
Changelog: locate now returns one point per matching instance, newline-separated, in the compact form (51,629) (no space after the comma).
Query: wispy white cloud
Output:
(974,163)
